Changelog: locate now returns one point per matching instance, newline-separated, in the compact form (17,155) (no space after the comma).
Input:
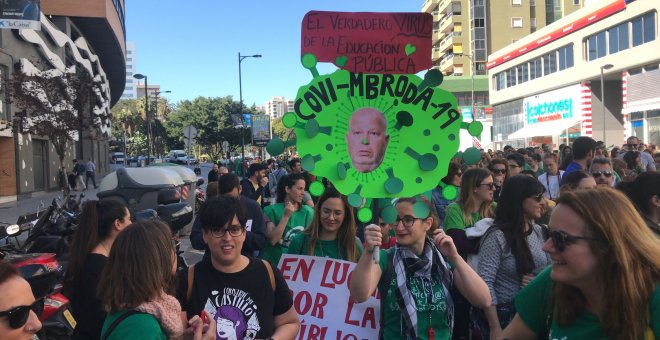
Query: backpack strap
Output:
(271,275)
(118,320)
(384,287)
(191,278)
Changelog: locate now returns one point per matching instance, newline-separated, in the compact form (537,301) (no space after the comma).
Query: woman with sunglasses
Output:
(332,231)
(510,253)
(287,217)
(18,316)
(475,203)
(416,277)
(247,297)
(604,275)
(100,224)
(136,284)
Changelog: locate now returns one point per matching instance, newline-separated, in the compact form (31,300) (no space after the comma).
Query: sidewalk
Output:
(10,211)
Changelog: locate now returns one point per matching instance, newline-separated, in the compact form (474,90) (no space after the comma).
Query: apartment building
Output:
(130,89)
(278,106)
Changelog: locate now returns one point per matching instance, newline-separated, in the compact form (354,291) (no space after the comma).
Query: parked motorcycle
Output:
(44,274)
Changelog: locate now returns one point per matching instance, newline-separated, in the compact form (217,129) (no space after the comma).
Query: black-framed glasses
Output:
(18,316)
(490,185)
(537,197)
(233,230)
(499,171)
(561,239)
(603,172)
(407,220)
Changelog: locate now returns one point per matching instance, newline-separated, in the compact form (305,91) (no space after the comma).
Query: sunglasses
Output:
(560,239)
(499,171)
(599,173)
(537,198)
(490,186)
(18,316)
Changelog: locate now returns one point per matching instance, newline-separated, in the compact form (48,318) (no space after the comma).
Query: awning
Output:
(554,128)
(642,105)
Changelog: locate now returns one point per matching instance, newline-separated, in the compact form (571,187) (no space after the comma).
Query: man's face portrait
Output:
(367,139)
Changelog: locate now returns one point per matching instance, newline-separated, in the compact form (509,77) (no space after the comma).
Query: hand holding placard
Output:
(373,238)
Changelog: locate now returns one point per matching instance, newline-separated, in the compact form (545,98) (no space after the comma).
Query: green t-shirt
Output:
(297,223)
(437,309)
(300,245)
(533,307)
(454,217)
(137,326)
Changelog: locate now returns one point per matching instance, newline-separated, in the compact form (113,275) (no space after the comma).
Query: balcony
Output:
(437,54)
(442,7)
(447,23)
(447,63)
(429,6)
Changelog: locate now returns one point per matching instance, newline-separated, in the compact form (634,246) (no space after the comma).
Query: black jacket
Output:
(249,191)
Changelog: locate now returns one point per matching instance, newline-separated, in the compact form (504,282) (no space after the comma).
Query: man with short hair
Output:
(367,139)
(228,185)
(254,186)
(601,169)
(90,169)
(583,153)
(516,163)
(647,161)
(222,170)
(79,169)
(213,174)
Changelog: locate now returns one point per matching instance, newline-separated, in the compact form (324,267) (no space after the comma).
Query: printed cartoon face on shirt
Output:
(234,313)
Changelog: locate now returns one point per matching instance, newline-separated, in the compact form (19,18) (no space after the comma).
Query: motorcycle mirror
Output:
(12,229)
(200,181)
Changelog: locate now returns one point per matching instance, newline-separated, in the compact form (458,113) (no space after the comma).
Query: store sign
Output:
(467,113)
(562,104)
(20,14)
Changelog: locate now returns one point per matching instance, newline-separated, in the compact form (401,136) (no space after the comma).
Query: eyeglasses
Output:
(599,173)
(499,171)
(560,239)
(537,198)
(490,185)
(18,316)
(407,221)
(234,231)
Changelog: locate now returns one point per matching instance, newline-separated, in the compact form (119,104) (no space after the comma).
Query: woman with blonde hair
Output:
(604,277)
(332,231)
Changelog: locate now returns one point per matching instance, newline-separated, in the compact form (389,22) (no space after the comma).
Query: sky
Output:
(191,47)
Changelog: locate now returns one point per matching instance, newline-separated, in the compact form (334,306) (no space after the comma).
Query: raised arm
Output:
(366,274)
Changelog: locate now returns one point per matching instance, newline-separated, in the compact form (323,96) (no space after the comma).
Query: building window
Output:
(532,22)
(566,57)
(522,73)
(516,2)
(549,63)
(511,77)
(576,2)
(643,29)
(535,69)
(596,46)
(517,22)
(500,82)
(478,23)
(532,3)
(129,59)
(618,38)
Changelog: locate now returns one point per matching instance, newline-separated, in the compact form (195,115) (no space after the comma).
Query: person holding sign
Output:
(247,297)
(367,139)
(415,277)
(332,231)
(287,217)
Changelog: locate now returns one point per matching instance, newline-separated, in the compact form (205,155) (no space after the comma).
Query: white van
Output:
(117,158)
(177,156)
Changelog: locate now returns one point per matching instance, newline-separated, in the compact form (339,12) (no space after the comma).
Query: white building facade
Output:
(278,106)
(130,90)
(546,87)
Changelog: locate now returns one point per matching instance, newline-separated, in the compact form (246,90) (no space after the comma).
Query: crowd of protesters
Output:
(538,243)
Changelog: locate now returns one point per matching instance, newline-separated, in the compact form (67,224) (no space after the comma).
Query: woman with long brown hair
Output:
(100,224)
(604,274)
(136,285)
(332,231)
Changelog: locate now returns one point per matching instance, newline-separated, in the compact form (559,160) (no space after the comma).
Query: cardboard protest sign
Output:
(374,129)
(321,298)
(385,43)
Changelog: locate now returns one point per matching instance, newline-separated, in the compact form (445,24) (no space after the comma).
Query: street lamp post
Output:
(469,56)
(602,97)
(240,94)
(156,113)
(146,110)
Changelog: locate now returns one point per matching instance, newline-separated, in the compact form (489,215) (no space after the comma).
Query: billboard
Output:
(260,130)
(20,14)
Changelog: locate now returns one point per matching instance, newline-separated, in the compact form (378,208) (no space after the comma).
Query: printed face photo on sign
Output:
(367,139)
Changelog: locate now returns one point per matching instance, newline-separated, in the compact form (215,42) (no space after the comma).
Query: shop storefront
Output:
(642,106)
(554,117)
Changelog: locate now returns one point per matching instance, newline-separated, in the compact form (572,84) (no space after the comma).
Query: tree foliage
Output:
(52,104)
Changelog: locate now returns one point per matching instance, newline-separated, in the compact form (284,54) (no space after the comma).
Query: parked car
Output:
(117,158)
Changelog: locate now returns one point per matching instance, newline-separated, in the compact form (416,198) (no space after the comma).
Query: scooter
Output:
(44,274)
